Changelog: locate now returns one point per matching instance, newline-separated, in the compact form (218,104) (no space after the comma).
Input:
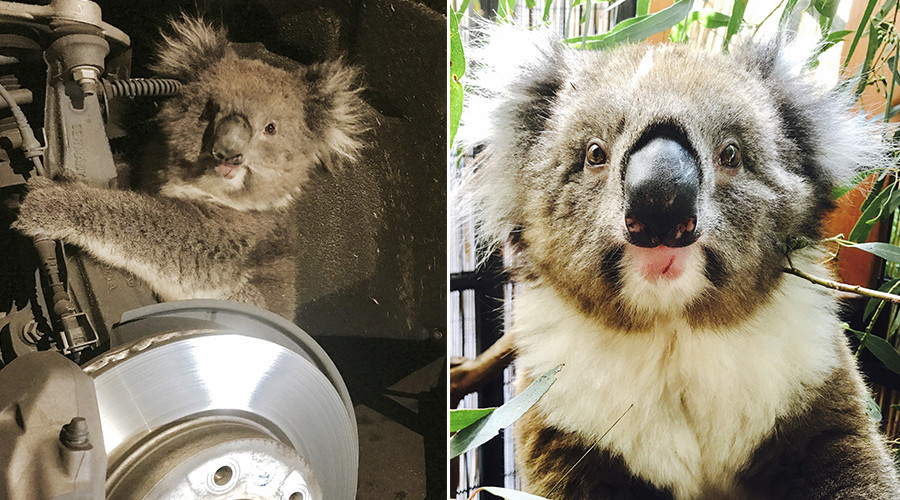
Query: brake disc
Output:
(234,402)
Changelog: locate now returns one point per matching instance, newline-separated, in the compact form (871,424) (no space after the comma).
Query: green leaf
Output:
(460,419)
(873,409)
(546,16)
(457,69)
(707,18)
(881,349)
(505,9)
(637,28)
(462,8)
(854,181)
(642,8)
(871,213)
(877,187)
(786,14)
(530,3)
(884,250)
(859,31)
(484,429)
(734,24)
(873,302)
(827,8)
(509,494)
(828,42)
(895,321)
(875,39)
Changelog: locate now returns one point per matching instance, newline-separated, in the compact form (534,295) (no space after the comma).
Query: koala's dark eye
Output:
(270,129)
(730,156)
(595,155)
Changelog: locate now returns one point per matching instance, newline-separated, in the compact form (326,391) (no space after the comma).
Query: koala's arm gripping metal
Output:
(76,147)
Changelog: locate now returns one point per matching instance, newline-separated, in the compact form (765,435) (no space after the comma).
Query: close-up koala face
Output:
(647,200)
(244,132)
(671,179)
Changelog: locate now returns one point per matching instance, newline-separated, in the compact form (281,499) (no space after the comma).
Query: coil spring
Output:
(141,87)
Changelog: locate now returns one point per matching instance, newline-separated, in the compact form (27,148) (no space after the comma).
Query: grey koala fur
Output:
(213,217)
(731,378)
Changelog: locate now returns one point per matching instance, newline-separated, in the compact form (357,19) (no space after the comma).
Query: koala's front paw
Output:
(43,212)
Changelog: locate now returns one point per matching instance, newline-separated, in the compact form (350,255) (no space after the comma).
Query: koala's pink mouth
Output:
(660,262)
(228,171)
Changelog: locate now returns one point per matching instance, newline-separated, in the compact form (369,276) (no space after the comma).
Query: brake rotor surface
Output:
(272,412)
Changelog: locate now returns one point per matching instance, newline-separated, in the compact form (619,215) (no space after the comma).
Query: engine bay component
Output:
(233,401)
(50,430)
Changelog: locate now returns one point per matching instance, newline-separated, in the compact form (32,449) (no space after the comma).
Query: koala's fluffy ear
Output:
(834,140)
(512,82)
(188,46)
(335,112)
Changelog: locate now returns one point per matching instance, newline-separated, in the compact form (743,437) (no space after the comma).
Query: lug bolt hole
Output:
(223,475)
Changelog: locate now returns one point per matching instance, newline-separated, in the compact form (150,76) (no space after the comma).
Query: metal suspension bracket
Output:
(73,122)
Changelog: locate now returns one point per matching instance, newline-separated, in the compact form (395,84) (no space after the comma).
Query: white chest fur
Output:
(703,399)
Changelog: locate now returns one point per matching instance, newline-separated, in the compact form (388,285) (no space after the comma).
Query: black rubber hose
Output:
(141,87)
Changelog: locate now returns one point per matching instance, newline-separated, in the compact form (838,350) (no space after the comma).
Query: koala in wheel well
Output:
(651,194)
(212,215)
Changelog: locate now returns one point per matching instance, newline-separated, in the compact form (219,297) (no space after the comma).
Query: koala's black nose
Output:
(662,182)
(230,138)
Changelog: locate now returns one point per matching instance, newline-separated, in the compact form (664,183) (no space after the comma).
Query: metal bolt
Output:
(75,435)
(87,77)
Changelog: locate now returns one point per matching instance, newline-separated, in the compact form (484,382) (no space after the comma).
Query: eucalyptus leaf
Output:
(876,37)
(872,409)
(884,250)
(457,70)
(460,419)
(484,429)
(546,17)
(882,350)
(827,8)
(509,494)
(505,9)
(786,14)
(642,8)
(873,302)
(895,322)
(854,181)
(828,42)
(877,187)
(637,28)
(734,24)
(871,214)
(708,18)
(870,7)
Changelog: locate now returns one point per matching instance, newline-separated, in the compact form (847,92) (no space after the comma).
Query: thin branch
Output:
(843,287)
(470,374)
